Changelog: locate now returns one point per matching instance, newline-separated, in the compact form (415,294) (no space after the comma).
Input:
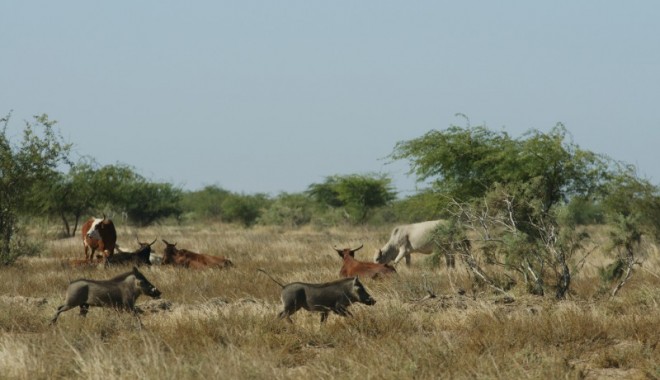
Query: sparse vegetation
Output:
(222,323)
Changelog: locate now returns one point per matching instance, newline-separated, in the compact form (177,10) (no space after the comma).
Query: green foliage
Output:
(87,190)
(148,202)
(205,203)
(584,211)
(69,196)
(612,272)
(628,197)
(24,167)
(291,210)
(357,195)
(467,162)
(424,205)
(513,192)
(245,209)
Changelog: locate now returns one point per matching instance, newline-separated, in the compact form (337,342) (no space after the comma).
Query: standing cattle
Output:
(119,292)
(99,234)
(188,259)
(335,296)
(352,267)
(140,256)
(408,238)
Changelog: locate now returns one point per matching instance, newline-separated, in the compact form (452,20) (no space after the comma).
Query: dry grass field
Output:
(222,323)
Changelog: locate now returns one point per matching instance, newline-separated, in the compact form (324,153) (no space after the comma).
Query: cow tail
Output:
(271,277)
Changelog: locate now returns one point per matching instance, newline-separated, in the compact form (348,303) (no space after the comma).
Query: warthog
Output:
(335,296)
(119,292)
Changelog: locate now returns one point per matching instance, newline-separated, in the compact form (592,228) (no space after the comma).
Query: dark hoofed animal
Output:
(187,259)
(352,267)
(119,293)
(99,234)
(141,256)
(335,296)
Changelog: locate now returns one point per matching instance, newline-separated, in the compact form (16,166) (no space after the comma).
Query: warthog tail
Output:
(271,277)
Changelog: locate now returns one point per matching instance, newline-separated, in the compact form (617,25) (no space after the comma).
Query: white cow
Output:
(408,238)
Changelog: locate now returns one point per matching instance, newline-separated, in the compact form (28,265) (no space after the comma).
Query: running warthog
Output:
(119,292)
(335,296)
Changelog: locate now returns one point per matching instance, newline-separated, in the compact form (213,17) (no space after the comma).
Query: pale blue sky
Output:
(271,96)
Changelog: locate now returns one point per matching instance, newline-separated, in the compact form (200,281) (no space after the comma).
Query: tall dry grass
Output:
(222,323)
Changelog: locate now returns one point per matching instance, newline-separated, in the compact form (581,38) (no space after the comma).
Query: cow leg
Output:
(402,253)
(324,316)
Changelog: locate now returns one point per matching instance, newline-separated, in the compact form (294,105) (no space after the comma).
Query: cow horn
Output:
(358,248)
(339,251)
(152,243)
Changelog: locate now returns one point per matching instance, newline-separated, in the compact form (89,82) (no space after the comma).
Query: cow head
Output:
(385,255)
(347,251)
(144,245)
(169,252)
(93,232)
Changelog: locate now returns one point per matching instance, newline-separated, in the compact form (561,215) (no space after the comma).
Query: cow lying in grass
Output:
(188,259)
(141,256)
(352,267)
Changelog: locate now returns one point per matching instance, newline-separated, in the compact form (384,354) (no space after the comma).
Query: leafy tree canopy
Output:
(465,163)
(359,195)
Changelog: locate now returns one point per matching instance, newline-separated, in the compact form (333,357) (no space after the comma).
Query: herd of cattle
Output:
(122,291)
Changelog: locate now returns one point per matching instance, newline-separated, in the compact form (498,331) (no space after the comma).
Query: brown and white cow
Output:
(188,259)
(99,234)
(353,267)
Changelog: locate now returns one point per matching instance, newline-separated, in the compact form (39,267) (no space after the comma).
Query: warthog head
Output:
(144,285)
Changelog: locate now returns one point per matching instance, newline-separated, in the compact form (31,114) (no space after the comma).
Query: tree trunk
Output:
(564,280)
(66,224)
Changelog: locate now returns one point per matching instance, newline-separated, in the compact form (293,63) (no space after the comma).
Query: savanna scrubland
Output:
(222,323)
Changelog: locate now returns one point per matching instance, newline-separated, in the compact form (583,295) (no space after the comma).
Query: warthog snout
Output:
(154,292)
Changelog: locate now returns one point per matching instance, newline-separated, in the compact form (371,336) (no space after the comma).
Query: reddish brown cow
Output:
(354,267)
(99,234)
(188,259)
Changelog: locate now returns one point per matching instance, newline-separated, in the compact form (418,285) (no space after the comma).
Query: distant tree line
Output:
(511,202)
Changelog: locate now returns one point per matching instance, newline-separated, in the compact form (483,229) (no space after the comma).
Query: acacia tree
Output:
(632,208)
(357,195)
(510,190)
(71,196)
(31,162)
(89,190)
